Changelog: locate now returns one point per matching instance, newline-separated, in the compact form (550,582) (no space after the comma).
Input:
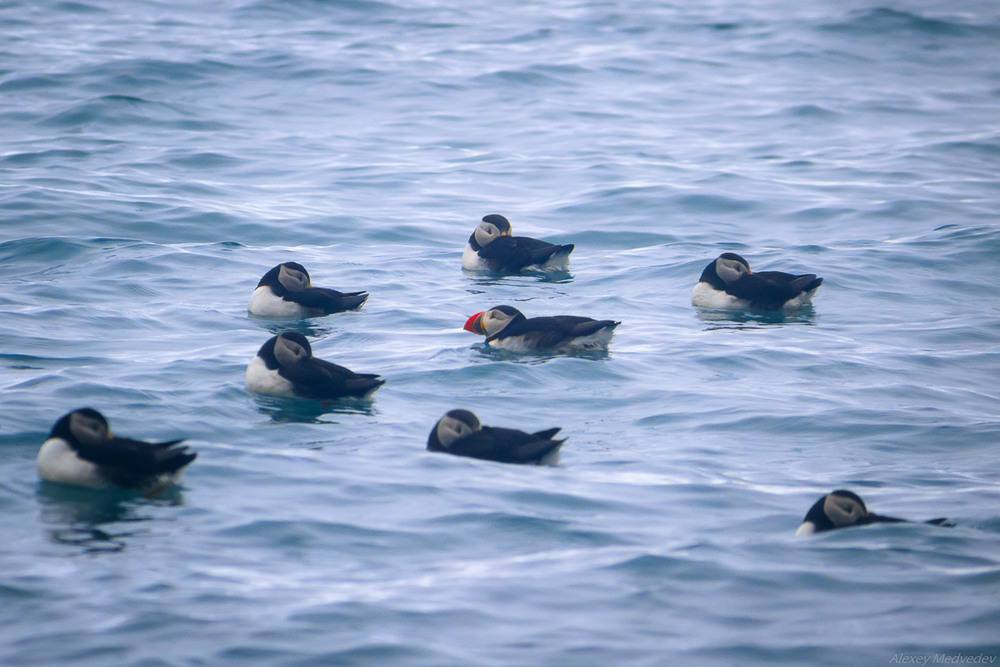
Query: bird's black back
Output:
(770,290)
(130,463)
(319,379)
(554,330)
(505,445)
(327,300)
(514,253)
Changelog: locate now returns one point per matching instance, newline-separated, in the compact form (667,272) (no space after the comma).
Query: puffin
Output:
(842,508)
(492,248)
(287,291)
(728,283)
(82,451)
(460,433)
(506,328)
(285,366)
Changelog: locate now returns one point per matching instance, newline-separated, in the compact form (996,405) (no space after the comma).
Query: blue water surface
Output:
(157,158)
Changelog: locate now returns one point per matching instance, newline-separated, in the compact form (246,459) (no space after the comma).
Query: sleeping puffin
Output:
(81,450)
(840,509)
(728,282)
(492,248)
(460,433)
(285,366)
(506,328)
(286,291)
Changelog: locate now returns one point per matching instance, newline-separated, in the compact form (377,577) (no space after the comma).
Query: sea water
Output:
(157,158)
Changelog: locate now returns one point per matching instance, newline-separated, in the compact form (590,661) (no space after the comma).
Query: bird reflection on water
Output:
(98,521)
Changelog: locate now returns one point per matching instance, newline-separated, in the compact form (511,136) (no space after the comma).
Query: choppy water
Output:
(157,158)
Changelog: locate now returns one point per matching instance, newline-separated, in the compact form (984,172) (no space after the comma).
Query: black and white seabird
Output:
(460,433)
(728,283)
(287,291)
(506,328)
(81,450)
(285,366)
(492,248)
(842,508)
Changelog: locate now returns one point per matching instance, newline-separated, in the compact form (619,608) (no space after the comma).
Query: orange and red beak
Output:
(475,324)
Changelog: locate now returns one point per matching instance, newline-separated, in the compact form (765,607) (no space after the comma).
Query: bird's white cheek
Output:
(807,528)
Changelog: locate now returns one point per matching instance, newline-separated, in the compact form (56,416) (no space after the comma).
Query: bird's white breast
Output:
(807,528)
(57,462)
(265,303)
(706,296)
(263,380)
(471,261)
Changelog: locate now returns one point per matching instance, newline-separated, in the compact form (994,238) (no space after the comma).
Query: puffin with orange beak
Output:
(506,328)
(492,247)
(728,283)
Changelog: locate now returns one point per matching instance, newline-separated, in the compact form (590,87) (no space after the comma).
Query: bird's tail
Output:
(355,300)
(806,283)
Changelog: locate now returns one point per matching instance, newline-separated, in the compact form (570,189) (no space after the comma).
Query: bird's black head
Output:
(736,258)
(837,509)
(291,348)
(82,425)
(732,265)
(501,223)
(290,276)
(498,318)
(489,230)
(454,425)
(511,311)
(285,349)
